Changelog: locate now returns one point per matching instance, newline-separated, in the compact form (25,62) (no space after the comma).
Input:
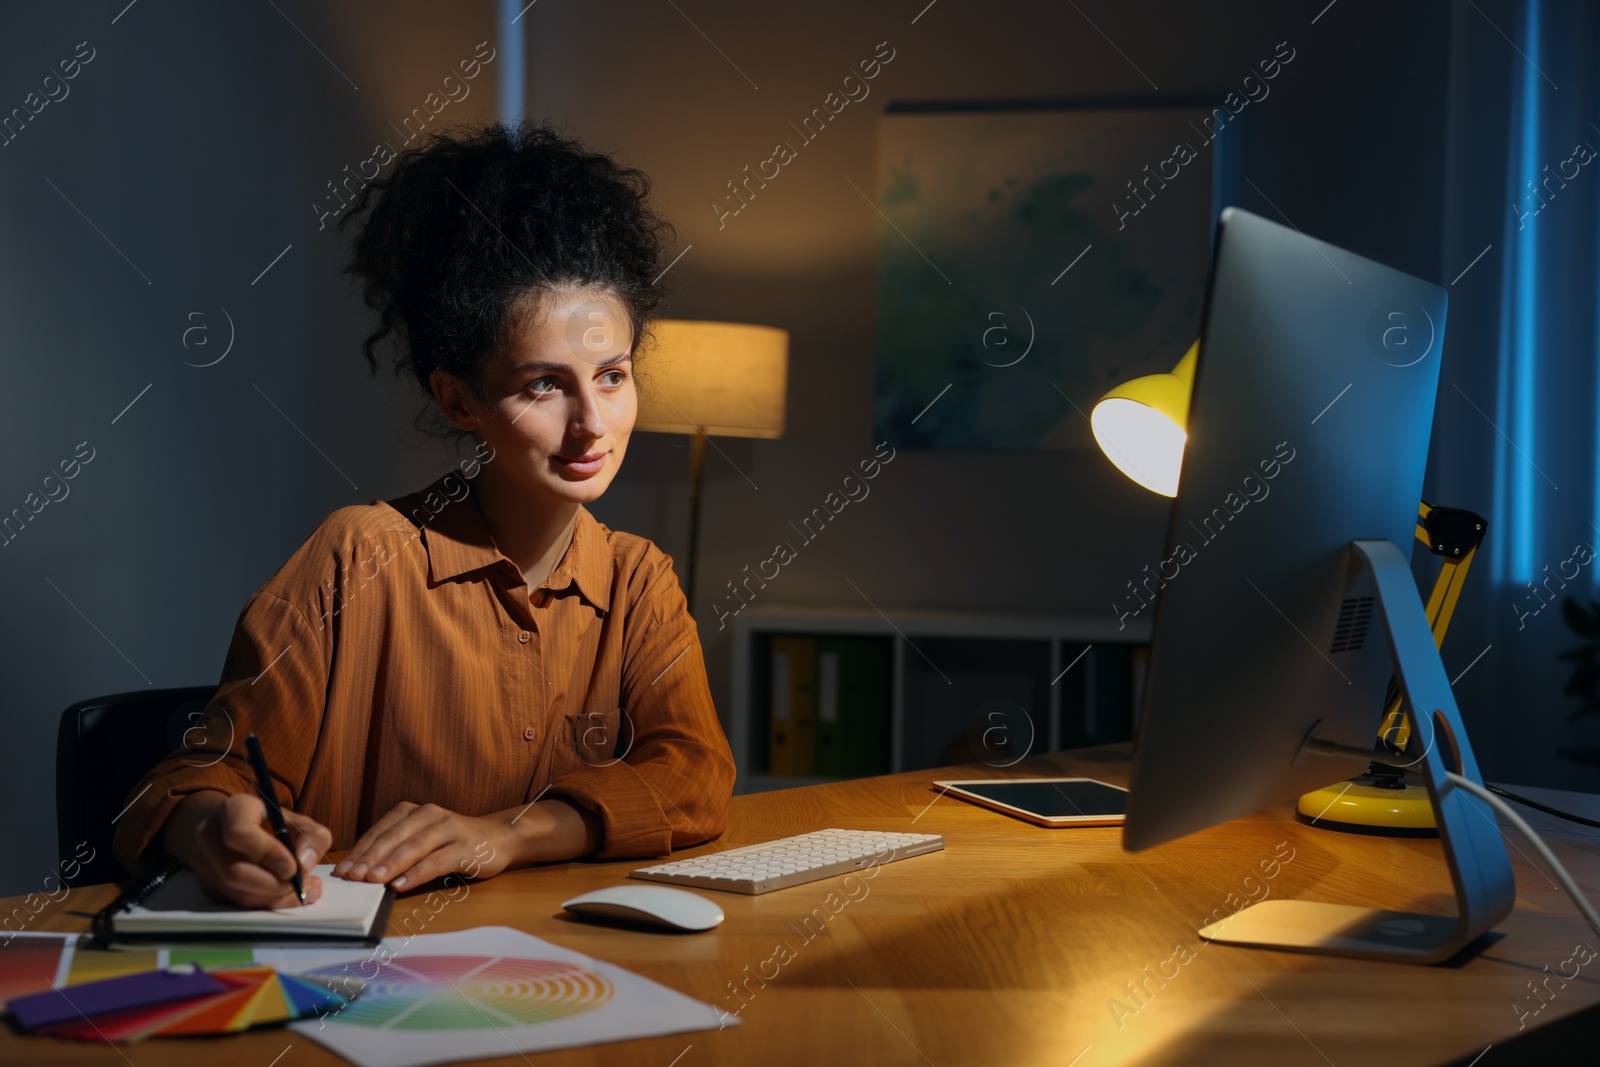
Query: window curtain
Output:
(1517,426)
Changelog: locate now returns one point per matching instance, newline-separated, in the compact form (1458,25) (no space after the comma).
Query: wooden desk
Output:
(1021,945)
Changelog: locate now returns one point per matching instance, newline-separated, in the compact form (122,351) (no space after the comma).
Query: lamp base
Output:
(1378,802)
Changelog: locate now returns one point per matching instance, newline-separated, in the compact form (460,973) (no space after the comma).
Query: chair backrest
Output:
(103,747)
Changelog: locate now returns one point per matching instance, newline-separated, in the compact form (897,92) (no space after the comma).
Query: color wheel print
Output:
(471,993)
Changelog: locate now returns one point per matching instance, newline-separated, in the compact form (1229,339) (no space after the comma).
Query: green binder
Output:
(852,718)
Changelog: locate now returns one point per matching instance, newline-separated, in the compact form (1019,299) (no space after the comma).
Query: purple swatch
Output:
(145,989)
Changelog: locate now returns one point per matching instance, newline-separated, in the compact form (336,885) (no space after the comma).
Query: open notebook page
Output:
(180,905)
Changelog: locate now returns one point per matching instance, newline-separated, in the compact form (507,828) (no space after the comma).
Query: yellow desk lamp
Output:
(1141,427)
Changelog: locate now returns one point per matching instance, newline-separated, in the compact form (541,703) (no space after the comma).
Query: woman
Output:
(478,675)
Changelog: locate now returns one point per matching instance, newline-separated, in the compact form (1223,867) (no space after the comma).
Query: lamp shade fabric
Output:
(721,378)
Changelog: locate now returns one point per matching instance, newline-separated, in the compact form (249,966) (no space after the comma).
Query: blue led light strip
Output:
(1511,554)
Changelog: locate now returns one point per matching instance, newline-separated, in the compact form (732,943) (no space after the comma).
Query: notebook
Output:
(179,910)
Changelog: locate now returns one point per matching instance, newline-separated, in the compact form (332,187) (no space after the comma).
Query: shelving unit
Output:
(1039,651)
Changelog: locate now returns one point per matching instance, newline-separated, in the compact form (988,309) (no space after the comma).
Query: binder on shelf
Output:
(1075,708)
(852,721)
(1103,707)
(794,694)
(1141,663)
(1110,693)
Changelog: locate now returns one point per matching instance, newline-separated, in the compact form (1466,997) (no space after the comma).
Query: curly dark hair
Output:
(472,227)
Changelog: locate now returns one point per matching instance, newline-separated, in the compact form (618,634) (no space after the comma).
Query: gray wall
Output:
(199,136)
(195,141)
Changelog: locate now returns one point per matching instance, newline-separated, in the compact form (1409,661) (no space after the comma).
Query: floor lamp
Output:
(702,378)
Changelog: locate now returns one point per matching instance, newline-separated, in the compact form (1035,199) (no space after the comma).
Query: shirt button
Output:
(528,734)
(523,636)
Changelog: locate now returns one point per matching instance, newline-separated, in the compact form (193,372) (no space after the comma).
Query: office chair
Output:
(103,747)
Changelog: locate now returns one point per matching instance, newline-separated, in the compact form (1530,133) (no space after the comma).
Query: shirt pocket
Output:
(590,738)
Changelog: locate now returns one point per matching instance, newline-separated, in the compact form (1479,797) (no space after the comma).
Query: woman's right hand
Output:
(229,844)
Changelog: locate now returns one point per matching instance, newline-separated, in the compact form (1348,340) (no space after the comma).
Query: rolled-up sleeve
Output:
(670,782)
(273,684)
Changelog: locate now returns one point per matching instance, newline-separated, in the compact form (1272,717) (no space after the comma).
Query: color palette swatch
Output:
(408,1002)
(30,962)
(250,996)
(54,985)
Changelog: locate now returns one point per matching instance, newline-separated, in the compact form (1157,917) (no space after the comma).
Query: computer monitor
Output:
(1284,600)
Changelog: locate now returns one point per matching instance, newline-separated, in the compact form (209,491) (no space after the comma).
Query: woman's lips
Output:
(585,466)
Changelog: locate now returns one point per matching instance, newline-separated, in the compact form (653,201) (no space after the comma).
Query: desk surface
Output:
(1022,945)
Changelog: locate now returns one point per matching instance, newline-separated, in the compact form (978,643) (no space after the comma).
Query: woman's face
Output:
(557,406)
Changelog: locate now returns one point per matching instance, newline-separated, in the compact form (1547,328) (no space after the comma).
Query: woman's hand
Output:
(229,844)
(415,843)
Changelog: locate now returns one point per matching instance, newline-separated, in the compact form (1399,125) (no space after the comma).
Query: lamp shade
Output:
(722,378)
(1141,425)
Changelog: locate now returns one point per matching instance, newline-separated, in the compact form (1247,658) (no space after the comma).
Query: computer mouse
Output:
(657,906)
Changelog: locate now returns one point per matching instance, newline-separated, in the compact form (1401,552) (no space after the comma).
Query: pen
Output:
(275,813)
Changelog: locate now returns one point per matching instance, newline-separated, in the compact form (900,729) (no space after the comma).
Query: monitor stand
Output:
(1479,867)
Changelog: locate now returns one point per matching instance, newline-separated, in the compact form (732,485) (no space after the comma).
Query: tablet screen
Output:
(1054,799)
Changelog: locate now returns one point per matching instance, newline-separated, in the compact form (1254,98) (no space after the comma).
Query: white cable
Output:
(1499,804)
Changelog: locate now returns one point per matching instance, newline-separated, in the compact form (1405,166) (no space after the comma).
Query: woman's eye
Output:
(622,376)
(538,385)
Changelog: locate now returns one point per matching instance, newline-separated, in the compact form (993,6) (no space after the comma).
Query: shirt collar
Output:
(458,541)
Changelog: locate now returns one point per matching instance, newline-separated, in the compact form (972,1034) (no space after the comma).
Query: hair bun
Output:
(469,224)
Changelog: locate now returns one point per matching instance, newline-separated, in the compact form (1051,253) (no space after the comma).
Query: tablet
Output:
(1046,801)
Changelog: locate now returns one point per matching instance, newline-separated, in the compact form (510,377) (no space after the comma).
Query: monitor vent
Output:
(1351,633)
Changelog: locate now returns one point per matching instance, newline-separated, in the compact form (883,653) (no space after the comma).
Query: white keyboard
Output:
(791,861)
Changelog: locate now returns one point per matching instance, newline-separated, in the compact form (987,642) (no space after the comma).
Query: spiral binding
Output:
(158,869)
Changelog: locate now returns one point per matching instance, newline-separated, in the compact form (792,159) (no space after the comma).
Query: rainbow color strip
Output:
(470,993)
(255,996)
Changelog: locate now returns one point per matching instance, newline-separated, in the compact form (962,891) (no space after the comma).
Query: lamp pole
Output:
(697,466)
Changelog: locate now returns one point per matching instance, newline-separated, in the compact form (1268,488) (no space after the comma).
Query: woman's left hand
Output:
(416,843)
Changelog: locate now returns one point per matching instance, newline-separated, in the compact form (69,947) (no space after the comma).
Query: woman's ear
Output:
(454,399)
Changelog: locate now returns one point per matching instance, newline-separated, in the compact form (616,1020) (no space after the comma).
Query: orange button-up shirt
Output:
(398,655)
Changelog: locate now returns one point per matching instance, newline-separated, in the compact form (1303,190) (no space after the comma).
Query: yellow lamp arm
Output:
(1454,535)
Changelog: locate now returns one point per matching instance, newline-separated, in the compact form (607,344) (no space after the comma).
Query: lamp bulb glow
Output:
(1145,445)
